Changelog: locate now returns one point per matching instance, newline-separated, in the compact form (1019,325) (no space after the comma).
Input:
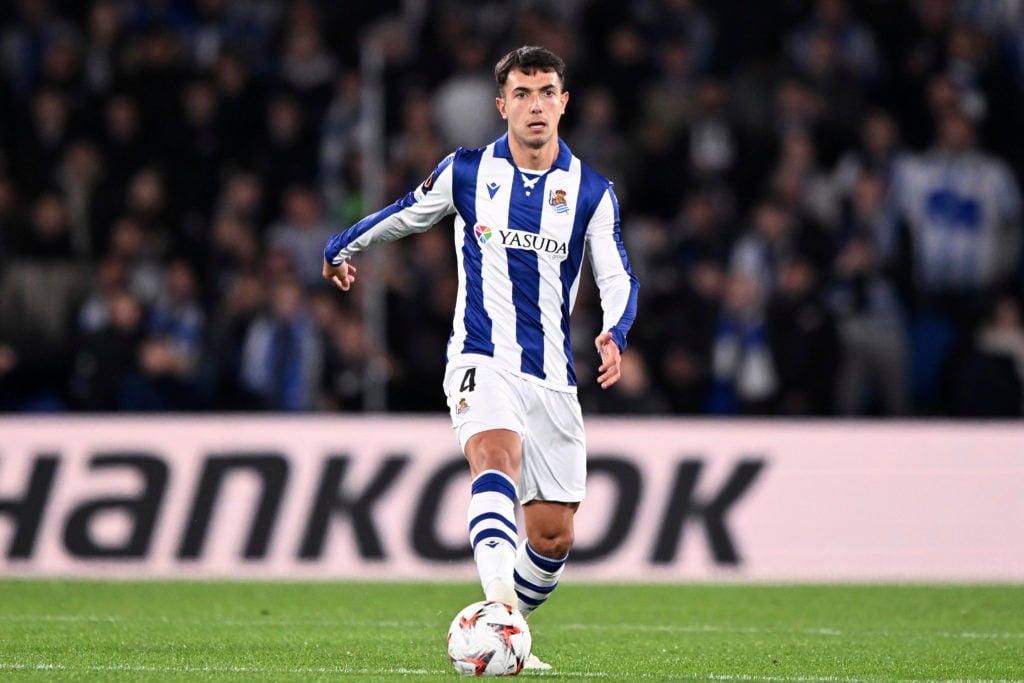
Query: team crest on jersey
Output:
(556,198)
(483,233)
(462,408)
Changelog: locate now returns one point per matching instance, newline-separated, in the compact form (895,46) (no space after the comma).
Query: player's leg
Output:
(487,416)
(552,484)
(542,556)
(494,456)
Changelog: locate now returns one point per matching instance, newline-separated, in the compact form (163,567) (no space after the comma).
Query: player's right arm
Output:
(416,212)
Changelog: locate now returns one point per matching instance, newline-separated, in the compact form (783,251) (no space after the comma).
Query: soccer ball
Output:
(489,639)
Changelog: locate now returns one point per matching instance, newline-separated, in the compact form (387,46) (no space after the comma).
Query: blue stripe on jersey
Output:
(592,189)
(524,213)
(492,480)
(347,237)
(629,314)
(477,322)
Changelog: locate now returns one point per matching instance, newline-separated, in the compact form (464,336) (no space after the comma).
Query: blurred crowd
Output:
(821,199)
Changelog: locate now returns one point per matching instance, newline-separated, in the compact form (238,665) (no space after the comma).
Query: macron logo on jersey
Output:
(519,239)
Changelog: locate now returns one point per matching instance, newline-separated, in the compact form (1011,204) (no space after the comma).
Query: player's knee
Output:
(555,546)
(496,458)
(494,450)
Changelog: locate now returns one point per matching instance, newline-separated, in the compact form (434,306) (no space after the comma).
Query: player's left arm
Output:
(616,284)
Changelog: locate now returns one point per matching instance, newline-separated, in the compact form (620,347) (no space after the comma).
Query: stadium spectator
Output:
(879,151)
(684,349)
(669,98)
(24,46)
(169,358)
(351,364)
(416,145)
(962,208)
(38,291)
(106,359)
(462,103)
(744,380)
(760,252)
(668,20)
(220,26)
(282,355)
(339,142)
(832,36)
(306,68)
(990,382)
(241,101)
(243,299)
(234,252)
(78,178)
(803,340)
(301,233)
(41,145)
(713,141)
(874,374)
(288,154)
(104,43)
(596,136)
(194,153)
(47,235)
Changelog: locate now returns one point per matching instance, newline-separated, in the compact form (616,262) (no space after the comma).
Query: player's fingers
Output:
(609,378)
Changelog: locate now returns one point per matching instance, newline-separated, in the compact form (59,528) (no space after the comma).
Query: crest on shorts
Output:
(556,198)
(462,407)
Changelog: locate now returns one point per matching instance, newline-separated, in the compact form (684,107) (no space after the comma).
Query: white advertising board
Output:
(334,498)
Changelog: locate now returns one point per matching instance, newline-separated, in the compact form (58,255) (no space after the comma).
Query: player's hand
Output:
(341,276)
(610,360)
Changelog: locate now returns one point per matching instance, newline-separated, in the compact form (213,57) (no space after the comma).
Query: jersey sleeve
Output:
(417,211)
(617,284)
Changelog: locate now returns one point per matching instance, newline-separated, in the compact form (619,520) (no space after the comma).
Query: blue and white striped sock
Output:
(493,533)
(535,576)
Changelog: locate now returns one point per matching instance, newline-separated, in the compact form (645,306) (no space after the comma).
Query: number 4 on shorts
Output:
(469,380)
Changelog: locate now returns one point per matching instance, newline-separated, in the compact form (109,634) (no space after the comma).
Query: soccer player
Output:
(526,210)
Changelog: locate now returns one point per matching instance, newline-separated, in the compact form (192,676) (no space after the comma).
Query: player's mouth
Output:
(537,125)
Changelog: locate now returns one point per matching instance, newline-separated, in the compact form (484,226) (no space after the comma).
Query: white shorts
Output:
(549,423)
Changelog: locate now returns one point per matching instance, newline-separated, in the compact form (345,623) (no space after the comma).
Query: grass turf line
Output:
(227,631)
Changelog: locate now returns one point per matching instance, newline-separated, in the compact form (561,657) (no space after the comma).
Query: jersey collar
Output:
(564,160)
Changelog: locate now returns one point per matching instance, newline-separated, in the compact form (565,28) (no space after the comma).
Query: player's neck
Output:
(534,159)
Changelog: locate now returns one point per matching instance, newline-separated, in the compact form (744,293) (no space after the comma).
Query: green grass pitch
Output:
(234,631)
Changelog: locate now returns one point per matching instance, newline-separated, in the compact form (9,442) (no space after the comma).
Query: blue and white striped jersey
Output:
(964,214)
(520,240)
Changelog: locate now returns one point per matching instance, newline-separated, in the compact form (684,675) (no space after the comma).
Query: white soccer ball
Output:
(489,639)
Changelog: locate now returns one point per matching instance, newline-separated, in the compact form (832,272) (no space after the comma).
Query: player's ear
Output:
(499,102)
(565,100)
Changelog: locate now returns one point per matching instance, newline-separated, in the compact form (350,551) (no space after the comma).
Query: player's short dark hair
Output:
(529,59)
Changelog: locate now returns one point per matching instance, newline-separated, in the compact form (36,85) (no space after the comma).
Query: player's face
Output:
(533,105)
